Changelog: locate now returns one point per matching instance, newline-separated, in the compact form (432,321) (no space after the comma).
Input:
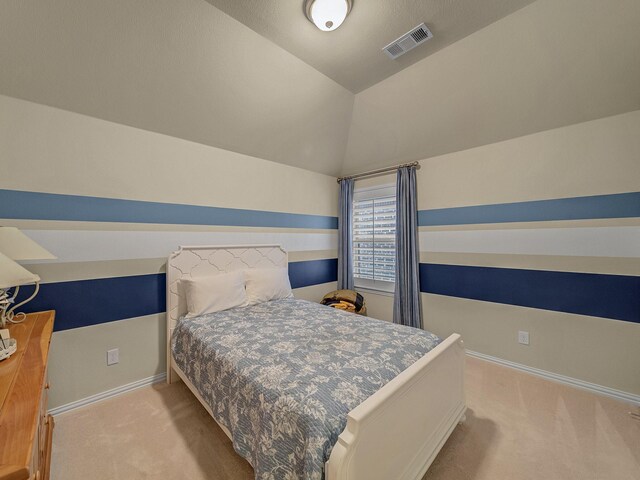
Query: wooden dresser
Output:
(25,428)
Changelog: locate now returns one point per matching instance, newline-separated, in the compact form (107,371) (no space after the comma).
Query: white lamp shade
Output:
(17,246)
(328,15)
(14,275)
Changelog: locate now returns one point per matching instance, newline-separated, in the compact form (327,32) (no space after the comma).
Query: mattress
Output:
(281,376)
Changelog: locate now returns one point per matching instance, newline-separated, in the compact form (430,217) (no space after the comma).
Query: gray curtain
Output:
(345,221)
(407,309)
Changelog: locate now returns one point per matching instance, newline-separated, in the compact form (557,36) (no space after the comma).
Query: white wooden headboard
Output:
(206,260)
(191,262)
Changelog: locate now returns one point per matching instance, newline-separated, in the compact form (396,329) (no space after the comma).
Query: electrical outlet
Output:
(113,356)
(523,338)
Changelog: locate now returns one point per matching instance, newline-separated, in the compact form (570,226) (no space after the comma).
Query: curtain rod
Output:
(380,170)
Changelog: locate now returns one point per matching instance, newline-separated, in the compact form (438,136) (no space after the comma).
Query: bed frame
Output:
(394,434)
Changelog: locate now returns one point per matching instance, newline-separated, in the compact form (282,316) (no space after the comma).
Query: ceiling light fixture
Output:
(327,15)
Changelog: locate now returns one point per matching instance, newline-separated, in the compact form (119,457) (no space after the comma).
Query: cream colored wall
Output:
(77,359)
(50,150)
(314,293)
(596,157)
(596,350)
(77,362)
(590,158)
(45,149)
(550,64)
(379,305)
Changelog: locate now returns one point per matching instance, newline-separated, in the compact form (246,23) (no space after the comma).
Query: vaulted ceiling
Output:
(352,55)
(255,77)
(177,67)
(551,64)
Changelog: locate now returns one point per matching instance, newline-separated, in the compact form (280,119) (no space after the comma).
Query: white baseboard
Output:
(114,392)
(555,377)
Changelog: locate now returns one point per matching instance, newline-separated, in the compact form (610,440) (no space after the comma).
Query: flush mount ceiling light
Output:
(327,15)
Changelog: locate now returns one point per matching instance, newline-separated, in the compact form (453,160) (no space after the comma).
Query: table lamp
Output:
(11,275)
(15,245)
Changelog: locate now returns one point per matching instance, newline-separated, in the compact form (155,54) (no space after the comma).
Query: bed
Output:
(361,410)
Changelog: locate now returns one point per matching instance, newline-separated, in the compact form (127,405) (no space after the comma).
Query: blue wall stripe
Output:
(89,302)
(81,303)
(51,206)
(313,272)
(608,296)
(620,205)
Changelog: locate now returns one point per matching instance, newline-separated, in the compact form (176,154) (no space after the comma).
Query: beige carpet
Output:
(518,427)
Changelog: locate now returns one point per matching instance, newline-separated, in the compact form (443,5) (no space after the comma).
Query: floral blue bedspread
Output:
(281,376)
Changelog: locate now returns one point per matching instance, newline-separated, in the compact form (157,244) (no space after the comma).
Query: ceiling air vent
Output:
(408,41)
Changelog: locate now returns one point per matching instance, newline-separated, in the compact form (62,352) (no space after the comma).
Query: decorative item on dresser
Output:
(15,245)
(25,428)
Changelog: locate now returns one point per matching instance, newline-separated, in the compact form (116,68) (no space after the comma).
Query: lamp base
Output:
(5,303)
(7,348)
(7,313)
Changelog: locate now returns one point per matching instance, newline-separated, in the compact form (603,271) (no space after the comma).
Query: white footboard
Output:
(398,431)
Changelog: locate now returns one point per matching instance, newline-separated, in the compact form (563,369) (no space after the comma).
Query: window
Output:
(374,238)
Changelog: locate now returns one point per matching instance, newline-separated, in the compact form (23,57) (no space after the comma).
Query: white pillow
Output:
(214,293)
(264,284)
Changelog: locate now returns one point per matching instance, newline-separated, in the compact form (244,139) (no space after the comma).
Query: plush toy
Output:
(347,300)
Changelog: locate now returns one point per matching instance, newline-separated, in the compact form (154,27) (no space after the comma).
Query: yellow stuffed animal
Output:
(347,300)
